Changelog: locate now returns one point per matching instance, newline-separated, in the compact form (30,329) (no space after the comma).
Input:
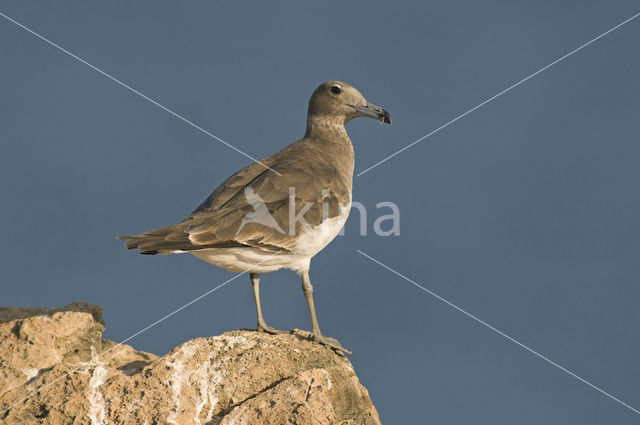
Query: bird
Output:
(282,210)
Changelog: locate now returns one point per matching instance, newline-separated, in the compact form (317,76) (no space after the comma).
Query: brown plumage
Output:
(311,178)
(322,160)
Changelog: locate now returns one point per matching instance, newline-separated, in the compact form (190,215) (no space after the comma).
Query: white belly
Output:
(255,260)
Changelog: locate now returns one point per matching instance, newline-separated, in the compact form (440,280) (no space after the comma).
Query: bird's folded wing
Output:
(270,211)
(234,185)
(256,207)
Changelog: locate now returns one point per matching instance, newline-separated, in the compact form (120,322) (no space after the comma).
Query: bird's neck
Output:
(323,127)
(333,138)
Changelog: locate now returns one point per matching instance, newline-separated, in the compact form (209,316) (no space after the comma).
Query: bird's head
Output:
(340,102)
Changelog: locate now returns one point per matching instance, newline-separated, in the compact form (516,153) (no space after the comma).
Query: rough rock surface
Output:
(240,377)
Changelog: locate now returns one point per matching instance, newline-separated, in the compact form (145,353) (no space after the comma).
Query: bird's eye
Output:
(336,90)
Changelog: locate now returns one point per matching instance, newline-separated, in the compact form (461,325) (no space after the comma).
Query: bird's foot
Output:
(270,330)
(330,342)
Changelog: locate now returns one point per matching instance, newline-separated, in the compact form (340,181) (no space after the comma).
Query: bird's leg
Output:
(262,325)
(315,327)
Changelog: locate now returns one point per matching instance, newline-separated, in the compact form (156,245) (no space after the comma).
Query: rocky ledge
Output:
(55,368)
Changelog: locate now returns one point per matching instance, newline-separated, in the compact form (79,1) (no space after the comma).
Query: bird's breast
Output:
(312,239)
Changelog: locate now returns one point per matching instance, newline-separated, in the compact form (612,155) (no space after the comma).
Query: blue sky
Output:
(524,213)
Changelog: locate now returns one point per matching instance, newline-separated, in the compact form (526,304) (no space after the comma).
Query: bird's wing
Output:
(234,184)
(176,238)
(314,186)
(308,191)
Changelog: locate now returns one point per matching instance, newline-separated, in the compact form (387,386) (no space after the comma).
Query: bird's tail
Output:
(166,240)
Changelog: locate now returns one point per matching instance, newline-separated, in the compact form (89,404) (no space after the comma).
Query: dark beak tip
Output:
(373,111)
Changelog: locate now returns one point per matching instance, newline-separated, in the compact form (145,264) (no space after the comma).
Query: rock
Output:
(8,314)
(55,369)
(35,340)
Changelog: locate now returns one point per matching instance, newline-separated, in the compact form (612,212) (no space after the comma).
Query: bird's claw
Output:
(270,330)
(330,342)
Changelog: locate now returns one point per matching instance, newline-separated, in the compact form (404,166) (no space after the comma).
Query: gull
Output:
(281,211)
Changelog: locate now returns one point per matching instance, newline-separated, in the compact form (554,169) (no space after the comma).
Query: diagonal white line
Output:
(499,94)
(532,351)
(37,390)
(137,92)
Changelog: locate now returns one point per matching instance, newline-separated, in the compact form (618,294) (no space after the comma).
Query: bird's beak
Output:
(373,111)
